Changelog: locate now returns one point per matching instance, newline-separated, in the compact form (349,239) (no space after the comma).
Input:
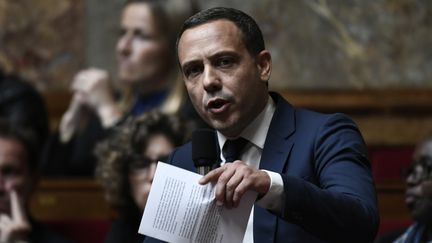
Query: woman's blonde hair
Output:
(169,16)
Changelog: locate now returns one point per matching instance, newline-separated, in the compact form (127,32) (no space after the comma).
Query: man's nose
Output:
(211,81)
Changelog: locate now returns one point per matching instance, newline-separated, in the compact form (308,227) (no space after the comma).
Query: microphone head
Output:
(204,147)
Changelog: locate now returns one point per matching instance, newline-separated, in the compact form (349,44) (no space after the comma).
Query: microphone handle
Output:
(203,170)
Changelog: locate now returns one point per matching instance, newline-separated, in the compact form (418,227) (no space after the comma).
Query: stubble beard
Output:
(422,211)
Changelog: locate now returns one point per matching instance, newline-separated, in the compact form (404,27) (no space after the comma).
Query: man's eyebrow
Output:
(212,57)
(190,63)
(224,53)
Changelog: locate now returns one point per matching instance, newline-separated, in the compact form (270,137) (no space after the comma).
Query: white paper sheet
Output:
(181,210)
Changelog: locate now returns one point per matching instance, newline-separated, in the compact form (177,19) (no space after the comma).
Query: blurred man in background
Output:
(19,155)
(418,198)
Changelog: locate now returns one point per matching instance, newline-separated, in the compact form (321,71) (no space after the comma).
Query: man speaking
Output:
(310,170)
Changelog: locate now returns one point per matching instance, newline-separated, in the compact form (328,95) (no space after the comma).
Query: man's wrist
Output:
(274,196)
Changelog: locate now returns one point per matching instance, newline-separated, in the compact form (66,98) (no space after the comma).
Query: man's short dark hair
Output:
(22,105)
(252,36)
(26,137)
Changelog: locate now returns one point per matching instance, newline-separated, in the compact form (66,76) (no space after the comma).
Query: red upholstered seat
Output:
(387,167)
(82,231)
(387,225)
(388,163)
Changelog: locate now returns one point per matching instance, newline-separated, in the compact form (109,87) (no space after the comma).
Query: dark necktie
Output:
(233,148)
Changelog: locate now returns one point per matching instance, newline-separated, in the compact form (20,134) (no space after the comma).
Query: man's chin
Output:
(422,211)
(228,131)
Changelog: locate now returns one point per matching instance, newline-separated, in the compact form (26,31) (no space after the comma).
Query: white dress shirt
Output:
(256,134)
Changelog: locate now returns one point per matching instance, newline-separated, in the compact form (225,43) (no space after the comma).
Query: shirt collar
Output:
(256,131)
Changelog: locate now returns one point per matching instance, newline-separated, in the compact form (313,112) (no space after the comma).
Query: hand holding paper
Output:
(179,209)
(235,179)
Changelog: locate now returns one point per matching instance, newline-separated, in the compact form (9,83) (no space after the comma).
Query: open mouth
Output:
(217,105)
(410,198)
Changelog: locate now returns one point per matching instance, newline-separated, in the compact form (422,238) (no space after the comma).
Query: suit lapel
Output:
(279,138)
(277,147)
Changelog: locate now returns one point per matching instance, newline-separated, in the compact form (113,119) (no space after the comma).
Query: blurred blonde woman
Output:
(148,78)
(126,165)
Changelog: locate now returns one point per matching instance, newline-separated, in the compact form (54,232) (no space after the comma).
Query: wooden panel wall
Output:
(385,117)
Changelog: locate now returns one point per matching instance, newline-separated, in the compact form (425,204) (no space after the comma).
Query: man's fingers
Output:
(240,190)
(222,180)
(233,180)
(4,220)
(14,227)
(231,187)
(17,210)
(5,225)
(244,185)
(211,176)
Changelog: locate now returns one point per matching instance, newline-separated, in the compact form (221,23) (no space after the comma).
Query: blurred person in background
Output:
(19,151)
(23,105)
(147,79)
(126,165)
(418,198)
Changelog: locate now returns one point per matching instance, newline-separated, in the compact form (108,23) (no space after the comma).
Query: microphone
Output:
(204,150)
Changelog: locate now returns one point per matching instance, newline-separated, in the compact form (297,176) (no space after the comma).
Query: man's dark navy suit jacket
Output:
(329,194)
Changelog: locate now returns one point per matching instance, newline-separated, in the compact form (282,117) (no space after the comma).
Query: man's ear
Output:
(264,64)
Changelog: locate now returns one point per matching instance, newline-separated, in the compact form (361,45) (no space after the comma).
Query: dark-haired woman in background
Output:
(126,165)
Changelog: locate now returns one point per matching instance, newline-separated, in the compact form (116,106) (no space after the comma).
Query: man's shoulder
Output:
(183,150)
(319,117)
(303,116)
(182,157)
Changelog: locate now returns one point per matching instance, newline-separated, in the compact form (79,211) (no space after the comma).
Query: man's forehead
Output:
(220,31)
(224,25)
